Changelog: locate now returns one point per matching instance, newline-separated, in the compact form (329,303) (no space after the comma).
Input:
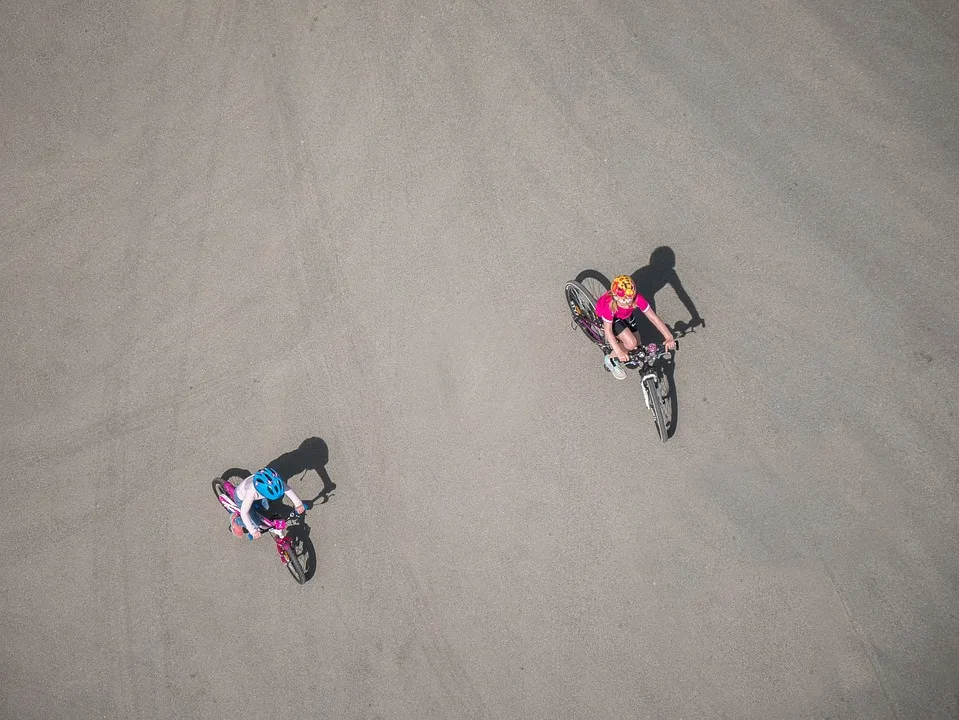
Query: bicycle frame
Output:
(277,528)
(595,330)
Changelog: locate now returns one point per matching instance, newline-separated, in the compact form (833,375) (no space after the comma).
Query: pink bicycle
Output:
(278,527)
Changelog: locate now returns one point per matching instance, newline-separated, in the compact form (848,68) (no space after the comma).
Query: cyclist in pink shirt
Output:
(616,308)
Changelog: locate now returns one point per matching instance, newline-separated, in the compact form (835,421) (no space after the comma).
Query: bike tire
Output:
(219,490)
(665,391)
(582,306)
(293,565)
(656,406)
(594,283)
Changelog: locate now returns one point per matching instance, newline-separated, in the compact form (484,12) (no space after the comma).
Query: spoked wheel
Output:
(658,407)
(595,284)
(582,305)
(292,563)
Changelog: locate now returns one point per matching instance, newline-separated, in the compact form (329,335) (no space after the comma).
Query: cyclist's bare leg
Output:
(628,339)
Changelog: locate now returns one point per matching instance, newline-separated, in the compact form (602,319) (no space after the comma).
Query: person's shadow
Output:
(312,454)
(660,272)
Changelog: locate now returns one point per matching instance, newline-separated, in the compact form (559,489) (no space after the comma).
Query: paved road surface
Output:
(232,228)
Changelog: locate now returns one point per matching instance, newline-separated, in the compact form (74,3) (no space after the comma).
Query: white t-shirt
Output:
(248,495)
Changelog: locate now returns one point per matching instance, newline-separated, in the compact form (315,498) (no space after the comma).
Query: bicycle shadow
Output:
(303,546)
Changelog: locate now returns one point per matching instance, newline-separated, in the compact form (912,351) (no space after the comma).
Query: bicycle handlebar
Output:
(642,356)
(291,515)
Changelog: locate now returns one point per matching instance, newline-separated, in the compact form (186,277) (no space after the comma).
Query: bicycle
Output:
(276,526)
(650,360)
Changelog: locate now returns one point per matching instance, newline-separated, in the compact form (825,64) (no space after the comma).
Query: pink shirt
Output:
(609,310)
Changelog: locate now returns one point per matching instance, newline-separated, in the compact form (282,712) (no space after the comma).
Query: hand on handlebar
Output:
(256,534)
(300,509)
(621,355)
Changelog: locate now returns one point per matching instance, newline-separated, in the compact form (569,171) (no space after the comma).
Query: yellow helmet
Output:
(623,287)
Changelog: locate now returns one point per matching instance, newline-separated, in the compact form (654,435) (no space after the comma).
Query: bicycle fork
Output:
(281,537)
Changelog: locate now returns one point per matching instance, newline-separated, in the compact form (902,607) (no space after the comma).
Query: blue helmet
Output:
(269,484)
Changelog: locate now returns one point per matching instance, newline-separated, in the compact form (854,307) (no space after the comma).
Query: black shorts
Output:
(627,324)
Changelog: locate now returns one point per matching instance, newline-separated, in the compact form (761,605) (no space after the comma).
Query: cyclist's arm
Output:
(660,325)
(245,512)
(294,498)
(611,337)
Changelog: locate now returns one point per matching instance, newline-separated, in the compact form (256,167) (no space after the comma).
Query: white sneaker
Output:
(612,364)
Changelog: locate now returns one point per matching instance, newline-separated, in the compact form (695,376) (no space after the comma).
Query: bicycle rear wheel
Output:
(292,563)
(657,406)
(582,306)
(219,489)
(594,283)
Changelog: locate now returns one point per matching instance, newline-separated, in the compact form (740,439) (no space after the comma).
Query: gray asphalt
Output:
(233,229)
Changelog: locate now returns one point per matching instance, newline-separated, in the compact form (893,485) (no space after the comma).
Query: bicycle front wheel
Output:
(665,392)
(292,563)
(582,306)
(657,407)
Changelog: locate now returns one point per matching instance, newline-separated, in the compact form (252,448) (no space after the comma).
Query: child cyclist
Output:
(263,485)
(616,308)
